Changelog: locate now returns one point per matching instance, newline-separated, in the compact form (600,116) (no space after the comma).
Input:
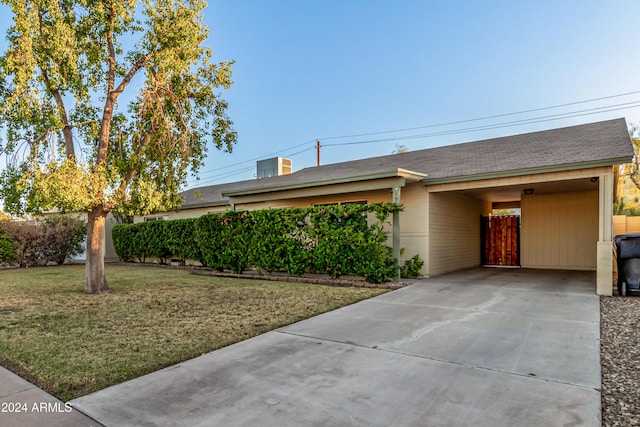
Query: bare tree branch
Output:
(55,92)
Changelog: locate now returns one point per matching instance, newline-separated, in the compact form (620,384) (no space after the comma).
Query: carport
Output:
(566,221)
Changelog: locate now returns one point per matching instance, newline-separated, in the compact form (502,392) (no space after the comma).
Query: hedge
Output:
(7,249)
(336,240)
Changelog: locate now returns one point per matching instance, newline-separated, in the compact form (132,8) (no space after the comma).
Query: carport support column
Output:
(396,231)
(604,275)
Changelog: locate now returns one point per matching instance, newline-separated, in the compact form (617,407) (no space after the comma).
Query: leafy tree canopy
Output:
(632,170)
(73,143)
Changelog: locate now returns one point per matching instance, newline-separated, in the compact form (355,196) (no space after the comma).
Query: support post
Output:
(604,266)
(396,232)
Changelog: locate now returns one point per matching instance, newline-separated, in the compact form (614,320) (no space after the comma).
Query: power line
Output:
(534,120)
(219,176)
(263,156)
(482,118)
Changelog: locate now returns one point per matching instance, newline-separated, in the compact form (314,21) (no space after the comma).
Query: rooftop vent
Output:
(274,167)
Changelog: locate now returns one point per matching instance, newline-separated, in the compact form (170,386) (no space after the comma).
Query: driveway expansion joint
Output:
(529,375)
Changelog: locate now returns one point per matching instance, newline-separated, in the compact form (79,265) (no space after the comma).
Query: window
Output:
(359,202)
(156,218)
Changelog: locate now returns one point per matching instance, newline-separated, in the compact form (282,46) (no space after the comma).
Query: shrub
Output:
(123,242)
(412,267)
(28,240)
(64,236)
(278,241)
(336,240)
(236,238)
(7,249)
(178,239)
(152,237)
(207,235)
(52,239)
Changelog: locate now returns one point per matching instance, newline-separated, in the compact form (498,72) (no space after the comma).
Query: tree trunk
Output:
(95,281)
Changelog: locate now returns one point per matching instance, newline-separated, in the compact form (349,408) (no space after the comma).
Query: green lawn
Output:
(72,344)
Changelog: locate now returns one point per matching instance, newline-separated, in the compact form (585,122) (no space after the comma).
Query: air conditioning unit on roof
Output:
(273,167)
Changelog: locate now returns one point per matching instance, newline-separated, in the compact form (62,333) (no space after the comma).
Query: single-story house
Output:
(561,179)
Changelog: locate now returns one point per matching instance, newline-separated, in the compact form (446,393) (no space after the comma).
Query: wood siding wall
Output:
(560,231)
(454,232)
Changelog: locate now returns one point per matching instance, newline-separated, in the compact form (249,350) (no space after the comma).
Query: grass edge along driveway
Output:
(72,344)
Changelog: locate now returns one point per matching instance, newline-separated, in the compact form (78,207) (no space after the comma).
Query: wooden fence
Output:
(625,224)
(501,240)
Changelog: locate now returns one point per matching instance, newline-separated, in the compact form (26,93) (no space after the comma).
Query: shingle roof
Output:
(589,145)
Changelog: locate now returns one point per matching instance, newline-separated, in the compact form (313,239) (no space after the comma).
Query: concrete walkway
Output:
(22,404)
(484,347)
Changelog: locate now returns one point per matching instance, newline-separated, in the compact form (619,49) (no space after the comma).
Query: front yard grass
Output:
(72,344)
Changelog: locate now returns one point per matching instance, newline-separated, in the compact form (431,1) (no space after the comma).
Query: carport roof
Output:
(576,147)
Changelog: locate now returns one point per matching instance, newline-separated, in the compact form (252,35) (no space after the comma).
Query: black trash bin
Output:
(628,260)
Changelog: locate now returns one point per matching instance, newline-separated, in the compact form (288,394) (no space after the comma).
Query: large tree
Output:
(632,170)
(107,105)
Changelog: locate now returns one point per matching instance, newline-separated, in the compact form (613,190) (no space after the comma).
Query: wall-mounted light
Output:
(528,191)
(594,179)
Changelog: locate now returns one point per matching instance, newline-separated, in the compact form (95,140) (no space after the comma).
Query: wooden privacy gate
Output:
(501,240)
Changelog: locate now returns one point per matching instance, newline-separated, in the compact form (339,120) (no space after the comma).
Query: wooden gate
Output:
(501,240)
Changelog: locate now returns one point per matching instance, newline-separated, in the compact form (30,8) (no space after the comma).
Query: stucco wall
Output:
(303,202)
(560,230)
(414,224)
(454,232)
(183,213)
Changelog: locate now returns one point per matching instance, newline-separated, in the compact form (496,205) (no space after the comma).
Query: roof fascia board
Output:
(528,171)
(411,176)
(369,176)
(343,188)
(205,205)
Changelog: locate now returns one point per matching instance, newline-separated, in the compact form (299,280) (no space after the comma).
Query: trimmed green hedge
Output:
(7,249)
(336,240)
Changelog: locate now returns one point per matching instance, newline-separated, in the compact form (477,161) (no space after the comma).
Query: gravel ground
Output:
(620,360)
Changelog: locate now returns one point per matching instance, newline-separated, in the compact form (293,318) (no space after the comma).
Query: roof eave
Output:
(206,205)
(527,171)
(368,176)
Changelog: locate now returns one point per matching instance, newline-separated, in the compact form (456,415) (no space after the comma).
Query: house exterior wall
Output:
(414,224)
(305,202)
(413,220)
(109,250)
(441,222)
(454,232)
(181,214)
(560,230)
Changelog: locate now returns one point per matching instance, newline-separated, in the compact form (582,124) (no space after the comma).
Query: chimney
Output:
(273,167)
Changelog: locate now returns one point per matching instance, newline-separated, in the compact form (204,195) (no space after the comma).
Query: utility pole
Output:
(318,150)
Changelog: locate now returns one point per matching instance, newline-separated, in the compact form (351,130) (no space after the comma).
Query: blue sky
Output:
(310,70)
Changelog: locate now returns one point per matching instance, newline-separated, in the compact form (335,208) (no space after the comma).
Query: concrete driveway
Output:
(483,347)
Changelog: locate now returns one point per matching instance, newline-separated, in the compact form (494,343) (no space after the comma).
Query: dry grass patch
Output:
(72,344)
